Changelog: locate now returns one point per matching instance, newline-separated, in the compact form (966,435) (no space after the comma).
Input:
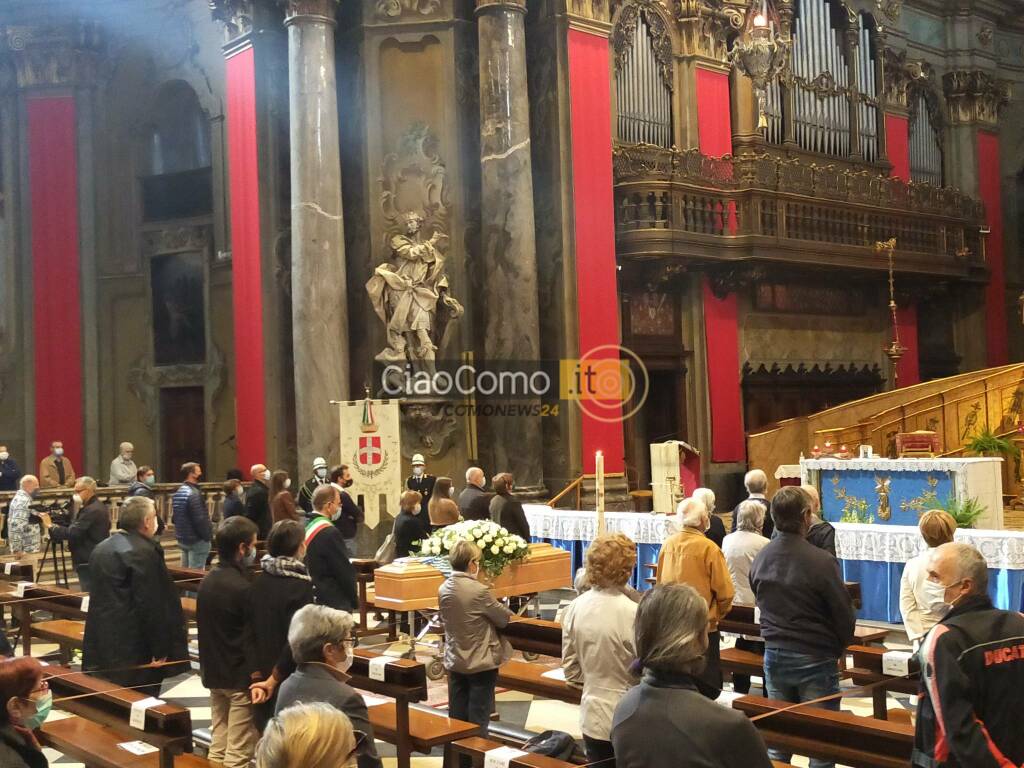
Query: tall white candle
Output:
(599,461)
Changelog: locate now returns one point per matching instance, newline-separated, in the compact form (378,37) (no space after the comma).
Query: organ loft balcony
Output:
(682,205)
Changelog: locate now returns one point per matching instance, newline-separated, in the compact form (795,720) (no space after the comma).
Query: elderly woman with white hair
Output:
(740,548)
(665,722)
(716,530)
(309,736)
(689,557)
(756,483)
(321,642)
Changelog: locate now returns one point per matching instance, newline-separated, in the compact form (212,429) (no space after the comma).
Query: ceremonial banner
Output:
(371,448)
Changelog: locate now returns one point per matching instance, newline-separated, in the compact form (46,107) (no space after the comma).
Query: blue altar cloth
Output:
(646,553)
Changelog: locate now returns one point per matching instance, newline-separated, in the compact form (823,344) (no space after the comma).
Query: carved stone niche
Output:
(973,96)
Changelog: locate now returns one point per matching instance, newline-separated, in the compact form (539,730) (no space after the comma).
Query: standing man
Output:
(319,478)
(227,651)
(420,480)
(690,557)
(134,613)
(257,500)
(756,483)
(326,555)
(10,472)
(351,513)
(972,670)
(55,470)
(807,617)
(474,501)
(192,527)
(22,533)
(90,527)
(122,468)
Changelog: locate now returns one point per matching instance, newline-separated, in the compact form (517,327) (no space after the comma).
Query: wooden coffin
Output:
(412,585)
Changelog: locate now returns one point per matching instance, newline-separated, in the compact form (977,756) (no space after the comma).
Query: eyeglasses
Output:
(352,642)
(360,742)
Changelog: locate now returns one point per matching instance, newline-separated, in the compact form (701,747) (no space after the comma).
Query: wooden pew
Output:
(867,670)
(102,723)
(860,742)
(529,678)
(476,747)
(740,620)
(537,636)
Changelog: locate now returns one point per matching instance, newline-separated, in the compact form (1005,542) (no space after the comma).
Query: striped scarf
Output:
(285,566)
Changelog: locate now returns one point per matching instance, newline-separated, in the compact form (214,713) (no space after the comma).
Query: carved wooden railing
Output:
(669,201)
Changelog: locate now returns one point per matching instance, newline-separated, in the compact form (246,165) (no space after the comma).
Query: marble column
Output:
(319,315)
(507,228)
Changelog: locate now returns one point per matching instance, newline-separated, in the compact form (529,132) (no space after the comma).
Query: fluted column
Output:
(507,226)
(319,318)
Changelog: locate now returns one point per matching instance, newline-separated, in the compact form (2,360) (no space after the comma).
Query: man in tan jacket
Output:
(55,470)
(689,557)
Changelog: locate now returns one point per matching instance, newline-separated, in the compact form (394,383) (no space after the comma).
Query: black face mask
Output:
(35,494)
(347,483)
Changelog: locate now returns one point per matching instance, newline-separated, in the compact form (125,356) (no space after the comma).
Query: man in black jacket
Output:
(257,500)
(134,613)
(420,480)
(972,670)
(351,513)
(10,472)
(333,576)
(90,526)
(309,487)
(227,656)
(807,617)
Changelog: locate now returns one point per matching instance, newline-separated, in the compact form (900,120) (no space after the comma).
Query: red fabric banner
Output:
(721,338)
(897,144)
(246,272)
(908,368)
(594,216)
(56,274)
(714,120)
(995,294)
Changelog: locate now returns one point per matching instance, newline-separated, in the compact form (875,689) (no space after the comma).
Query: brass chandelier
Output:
(761,51)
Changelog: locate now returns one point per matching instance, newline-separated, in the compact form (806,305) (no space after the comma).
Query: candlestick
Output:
(599,461)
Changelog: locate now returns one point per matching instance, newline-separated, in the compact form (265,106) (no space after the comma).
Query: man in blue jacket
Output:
(192,526)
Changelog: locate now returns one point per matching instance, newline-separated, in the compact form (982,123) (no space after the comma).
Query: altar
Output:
(871,554)
(898,491)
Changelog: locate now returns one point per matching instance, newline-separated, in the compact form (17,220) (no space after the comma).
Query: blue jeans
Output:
(194,555)
(795,677)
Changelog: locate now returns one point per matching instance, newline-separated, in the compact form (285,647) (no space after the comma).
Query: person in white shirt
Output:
(937,528)
(598,647)
(740,548)
(122,468)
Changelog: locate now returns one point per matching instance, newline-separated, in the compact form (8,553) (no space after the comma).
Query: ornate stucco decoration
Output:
(235,15)
(891,8)
(900,73)
(409,289)
(706,26)
(393,9)
(661,39)
(145,381)
(597,12)
(973,96)
(985,36)
(431,425)
(54,55)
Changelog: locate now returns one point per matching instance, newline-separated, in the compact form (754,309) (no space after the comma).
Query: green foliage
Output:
(986,443)
(854,515)
(966,512)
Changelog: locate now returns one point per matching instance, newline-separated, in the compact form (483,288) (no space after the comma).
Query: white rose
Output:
(509,549)
(495,550)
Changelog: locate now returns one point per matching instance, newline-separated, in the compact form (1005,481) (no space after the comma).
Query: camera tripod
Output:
(51,552)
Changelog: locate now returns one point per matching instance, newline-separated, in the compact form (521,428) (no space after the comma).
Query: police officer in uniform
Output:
(420,480)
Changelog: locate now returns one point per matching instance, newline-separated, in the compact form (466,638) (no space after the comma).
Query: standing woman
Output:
(411,525)
(234,498)
(25,702)
(474,650)
(597,640)
(282,503)
(442,507)
(919,607)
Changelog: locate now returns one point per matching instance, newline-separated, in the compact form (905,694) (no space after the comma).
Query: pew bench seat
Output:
(740,662)
(476,747)
(96,746)
(66,633)
(427,728)
(529,678)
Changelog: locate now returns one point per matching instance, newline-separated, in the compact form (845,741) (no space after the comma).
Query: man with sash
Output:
(334,578)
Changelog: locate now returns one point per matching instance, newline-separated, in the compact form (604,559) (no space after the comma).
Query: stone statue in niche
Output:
(409,291)
(410,296)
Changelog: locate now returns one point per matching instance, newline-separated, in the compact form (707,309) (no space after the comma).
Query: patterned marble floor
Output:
(515,708)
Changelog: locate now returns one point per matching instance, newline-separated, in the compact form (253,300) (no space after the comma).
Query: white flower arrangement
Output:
(499,548)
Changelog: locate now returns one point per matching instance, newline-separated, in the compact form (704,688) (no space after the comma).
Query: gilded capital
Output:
(54,55)
(899,73)
(705,27)
(973,96)
(309,11)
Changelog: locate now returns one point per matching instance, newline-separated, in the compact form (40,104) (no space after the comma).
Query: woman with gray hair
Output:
(740,548)
(321,642)
(654,724)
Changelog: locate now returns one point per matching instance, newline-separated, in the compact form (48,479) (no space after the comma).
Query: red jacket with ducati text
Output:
(972,680)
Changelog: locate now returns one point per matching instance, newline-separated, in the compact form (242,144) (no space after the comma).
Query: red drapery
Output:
(908,367)
(246,272)
(995,294)
(897,144)
(56,274)
(721,321)
(594,217)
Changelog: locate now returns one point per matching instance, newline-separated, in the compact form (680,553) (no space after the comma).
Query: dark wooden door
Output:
(182,430)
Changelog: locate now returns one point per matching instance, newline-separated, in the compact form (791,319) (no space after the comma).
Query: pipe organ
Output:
(643,101)
(925,144)
(867,111)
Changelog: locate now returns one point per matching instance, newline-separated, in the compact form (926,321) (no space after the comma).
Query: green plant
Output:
(966,511)
(987,442)
(856,516)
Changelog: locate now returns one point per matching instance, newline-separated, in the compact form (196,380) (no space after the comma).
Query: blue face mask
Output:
(43,707)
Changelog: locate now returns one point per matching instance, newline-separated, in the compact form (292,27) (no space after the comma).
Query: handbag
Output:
(386,551)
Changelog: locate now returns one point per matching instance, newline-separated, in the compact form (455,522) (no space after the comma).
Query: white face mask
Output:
(935,595)
(77,498)
(321,473)
(240,491)
(126,457)
(346,664)
(287,483)
(4,455)
(58,451)
(417,471)
(266,474)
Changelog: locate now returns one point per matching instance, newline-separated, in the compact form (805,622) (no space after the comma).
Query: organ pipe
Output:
(643,100)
